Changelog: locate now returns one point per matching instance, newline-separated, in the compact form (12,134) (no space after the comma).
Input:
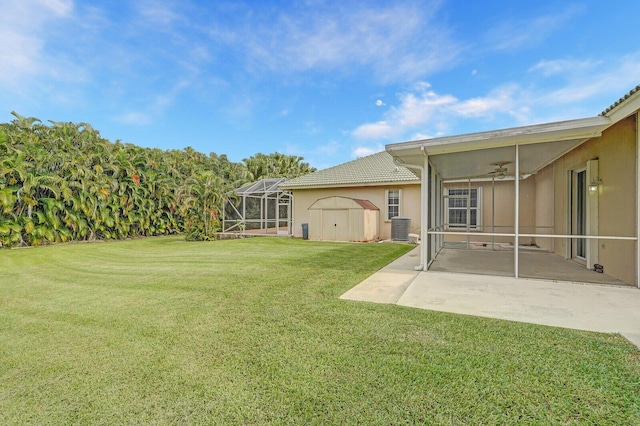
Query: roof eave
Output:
(353,184)
(564,130)
(624,107)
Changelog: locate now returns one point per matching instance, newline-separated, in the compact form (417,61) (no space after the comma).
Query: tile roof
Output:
(621,100)
(376,168)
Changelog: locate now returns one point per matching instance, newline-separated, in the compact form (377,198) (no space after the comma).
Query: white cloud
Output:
(563,66)
(23,30)
(521,33)
(499,100)
(379,130)
(363,151)
(588,79)
(312,128)
(423,111)
(395,42)
(419,136)
(134,117)
(59,7)
(157,12)
(380,103)
(168,97)
(153,110)
(579,88)
(330,148)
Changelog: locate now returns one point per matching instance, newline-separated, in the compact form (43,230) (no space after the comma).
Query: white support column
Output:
(277,212)
(441,206)
(424,220)
(469,214)
(493,212)
(244,209)
(433,214)
(516,241)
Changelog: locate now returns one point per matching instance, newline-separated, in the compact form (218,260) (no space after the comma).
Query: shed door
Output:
(335,225)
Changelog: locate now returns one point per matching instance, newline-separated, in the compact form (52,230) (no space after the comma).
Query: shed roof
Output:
(374,169)
(342,203)
(366,204)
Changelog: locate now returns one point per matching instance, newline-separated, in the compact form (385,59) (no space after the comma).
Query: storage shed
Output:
(343,219)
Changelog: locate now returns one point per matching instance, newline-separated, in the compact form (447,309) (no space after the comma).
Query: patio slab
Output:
(388,284)
(591,307)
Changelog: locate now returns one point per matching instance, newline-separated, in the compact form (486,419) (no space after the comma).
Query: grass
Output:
(160,331)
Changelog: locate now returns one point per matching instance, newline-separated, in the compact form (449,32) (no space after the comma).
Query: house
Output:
(534,201)
(355,201)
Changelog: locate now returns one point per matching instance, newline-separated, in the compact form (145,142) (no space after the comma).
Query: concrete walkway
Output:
(591,307)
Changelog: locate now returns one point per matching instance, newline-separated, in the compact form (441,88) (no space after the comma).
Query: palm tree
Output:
(62,181)
(201,200)
(275,165)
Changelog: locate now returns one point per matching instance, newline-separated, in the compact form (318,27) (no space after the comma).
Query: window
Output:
(393,203)
(457,208)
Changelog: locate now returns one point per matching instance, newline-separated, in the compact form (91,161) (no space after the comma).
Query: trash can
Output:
(305,231)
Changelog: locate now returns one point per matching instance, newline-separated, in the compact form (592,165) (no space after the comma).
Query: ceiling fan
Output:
(500,170)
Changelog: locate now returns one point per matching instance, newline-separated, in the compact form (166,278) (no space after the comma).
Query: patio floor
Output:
(532,264)
(592,307)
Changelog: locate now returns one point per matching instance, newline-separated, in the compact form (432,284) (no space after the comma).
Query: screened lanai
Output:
(259,208)
(555,201)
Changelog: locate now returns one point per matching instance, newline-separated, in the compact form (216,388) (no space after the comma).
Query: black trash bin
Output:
(305,231)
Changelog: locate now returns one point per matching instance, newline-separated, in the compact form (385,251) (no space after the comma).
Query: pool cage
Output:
(258,208)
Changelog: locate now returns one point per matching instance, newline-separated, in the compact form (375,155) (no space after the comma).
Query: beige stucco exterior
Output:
(545,202)
(576,195)
(615,151)
(303,199)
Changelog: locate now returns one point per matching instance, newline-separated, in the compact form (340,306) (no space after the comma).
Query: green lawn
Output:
(161,331)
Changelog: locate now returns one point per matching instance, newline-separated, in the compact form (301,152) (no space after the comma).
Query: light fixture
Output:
(593,186)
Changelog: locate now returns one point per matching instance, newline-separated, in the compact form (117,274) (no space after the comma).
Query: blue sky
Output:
(327,80)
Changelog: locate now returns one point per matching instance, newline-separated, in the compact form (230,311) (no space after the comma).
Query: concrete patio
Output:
(607,308)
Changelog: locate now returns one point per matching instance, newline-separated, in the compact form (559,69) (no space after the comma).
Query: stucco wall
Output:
(616,152)
(410,204)
(544,200)
(544,207)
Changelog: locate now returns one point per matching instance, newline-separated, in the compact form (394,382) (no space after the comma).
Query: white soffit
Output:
(479,163)
(473,154)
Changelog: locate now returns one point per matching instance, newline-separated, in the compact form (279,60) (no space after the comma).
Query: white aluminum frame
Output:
(265,190)
(428,231)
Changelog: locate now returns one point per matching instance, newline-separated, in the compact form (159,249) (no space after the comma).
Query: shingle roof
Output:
(619,101)
(376,168)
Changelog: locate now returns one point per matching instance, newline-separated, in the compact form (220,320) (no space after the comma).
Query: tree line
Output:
(63,182)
